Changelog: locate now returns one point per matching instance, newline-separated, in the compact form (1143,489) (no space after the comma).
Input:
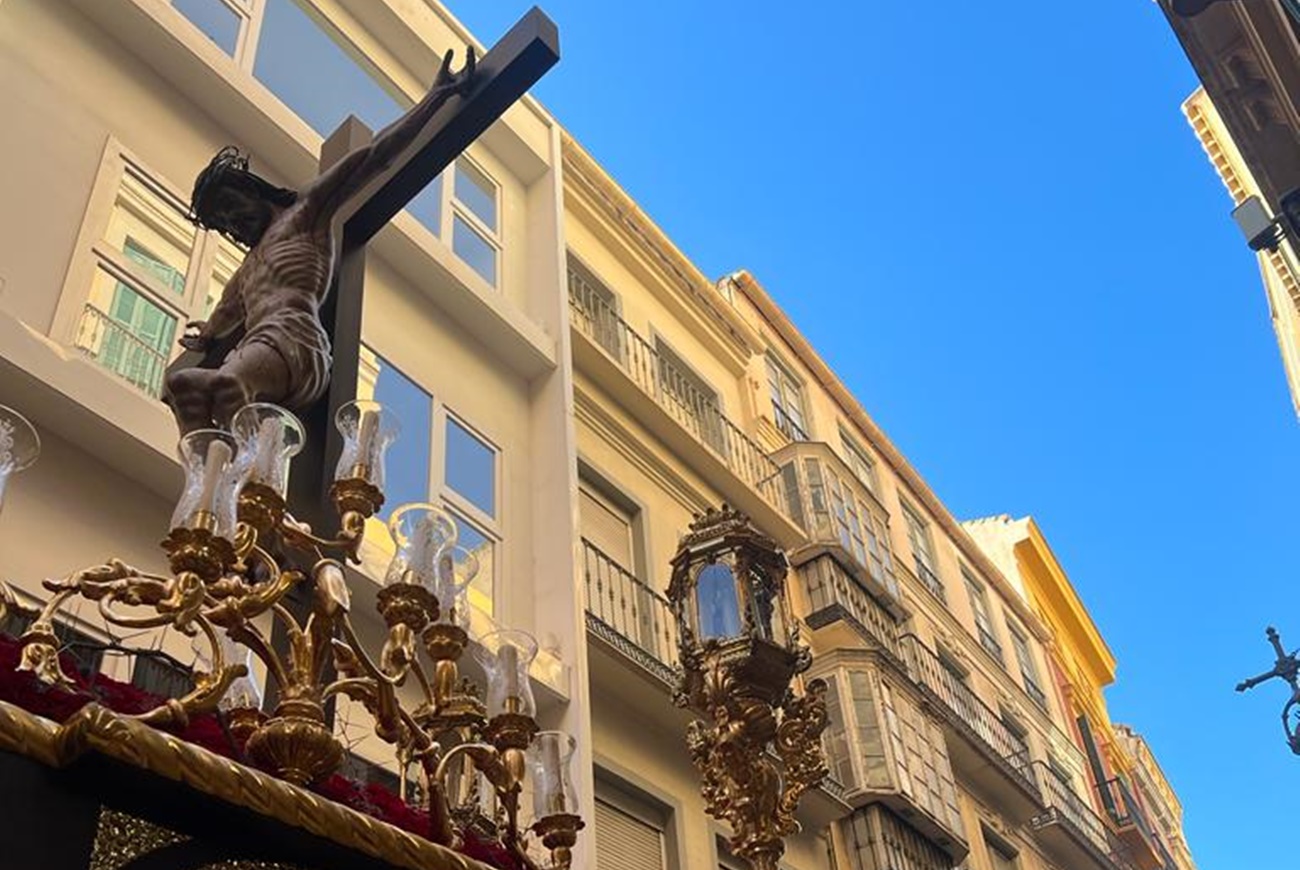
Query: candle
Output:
(508,656)
(553,781)
(214,467)
(264,456)
(369,424)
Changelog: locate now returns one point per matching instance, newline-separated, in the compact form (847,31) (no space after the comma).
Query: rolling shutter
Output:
(624,842)
(607,527)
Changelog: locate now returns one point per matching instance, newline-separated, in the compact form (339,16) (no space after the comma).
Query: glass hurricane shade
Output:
(549,760)
(505,656)
(368,430)
(718,602)
(19,446)
(269,437)
(212,482)
(244,692)
(427,555)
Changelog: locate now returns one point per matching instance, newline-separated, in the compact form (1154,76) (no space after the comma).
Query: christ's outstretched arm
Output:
(350,174)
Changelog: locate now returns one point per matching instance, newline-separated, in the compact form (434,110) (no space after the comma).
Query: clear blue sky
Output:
(994,222)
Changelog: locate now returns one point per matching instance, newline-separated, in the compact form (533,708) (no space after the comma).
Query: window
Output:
(412,450)
(979,603)
(630,831)
(787,401)
(152,272)
(474,235)
(864,468)
(471,467)
(1001,855)
(606,525)
(918,535)
(332,86)
(225,22)
(1028,669)
(466,485)
(595,309)
(690,398)
(835,739)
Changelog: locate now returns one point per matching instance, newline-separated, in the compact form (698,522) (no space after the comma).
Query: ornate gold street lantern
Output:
(757,744)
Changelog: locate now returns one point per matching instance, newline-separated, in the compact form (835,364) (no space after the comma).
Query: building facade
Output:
(1106,775)
(1247,118)
(571,388)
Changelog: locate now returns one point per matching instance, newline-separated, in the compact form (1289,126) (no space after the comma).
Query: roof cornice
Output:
(613,203)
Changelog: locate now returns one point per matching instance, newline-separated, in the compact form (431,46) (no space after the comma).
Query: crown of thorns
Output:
(230,168)
(228,159)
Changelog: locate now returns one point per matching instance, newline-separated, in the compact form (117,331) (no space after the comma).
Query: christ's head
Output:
(233,201)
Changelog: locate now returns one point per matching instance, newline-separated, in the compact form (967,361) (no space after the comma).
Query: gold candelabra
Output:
(239,559)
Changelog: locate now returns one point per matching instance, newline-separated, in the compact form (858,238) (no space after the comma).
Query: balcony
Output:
(929,579)
(669,402)
(1140,842)
(994,757)
(628,615)
(787,425)
(1069,829)
(834,596)
(842,518)
(114,347)
(890,751)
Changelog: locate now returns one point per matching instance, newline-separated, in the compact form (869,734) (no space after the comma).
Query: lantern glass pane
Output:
(719,608)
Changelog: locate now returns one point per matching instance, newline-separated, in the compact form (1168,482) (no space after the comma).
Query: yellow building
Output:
(1114,784)
(572,388)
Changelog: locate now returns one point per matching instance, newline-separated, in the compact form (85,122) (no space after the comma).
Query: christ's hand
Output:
(196,337)
(459,81)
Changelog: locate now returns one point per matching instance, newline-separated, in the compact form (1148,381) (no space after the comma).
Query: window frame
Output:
(982,613)
(249,13)
(859,460)
(438,491)
(1025,661)
(786,381)
(453,207)
(94,252)
(922,545)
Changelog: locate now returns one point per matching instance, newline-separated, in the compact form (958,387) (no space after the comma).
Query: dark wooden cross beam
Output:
(502,76)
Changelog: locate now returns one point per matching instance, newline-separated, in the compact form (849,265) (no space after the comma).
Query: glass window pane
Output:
(302,65)
(471,467)
(152,232)
(476,251)
(427,207)
(478,193)
(473,539)
(218,21)
(408,459)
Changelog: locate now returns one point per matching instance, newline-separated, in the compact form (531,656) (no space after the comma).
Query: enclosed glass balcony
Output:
(885,749)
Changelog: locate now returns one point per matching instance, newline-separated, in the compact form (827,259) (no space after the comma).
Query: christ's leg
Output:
(253,372)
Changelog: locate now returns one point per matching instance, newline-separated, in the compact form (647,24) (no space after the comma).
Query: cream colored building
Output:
(571,387)
(1277,267)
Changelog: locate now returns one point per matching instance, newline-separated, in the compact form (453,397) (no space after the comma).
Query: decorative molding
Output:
(590,410)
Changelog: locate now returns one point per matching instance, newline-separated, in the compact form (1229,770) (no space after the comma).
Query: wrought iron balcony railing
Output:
(628,614)
(113,346)
(1066,808)
(673,390)
(1142,843)
(834,594)
(967,712)
(931,580)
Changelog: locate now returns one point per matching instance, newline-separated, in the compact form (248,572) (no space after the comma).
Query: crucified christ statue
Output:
(270,309)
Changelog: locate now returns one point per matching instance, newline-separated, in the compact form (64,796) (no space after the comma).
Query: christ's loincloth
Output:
(302,343)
